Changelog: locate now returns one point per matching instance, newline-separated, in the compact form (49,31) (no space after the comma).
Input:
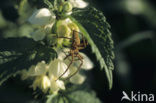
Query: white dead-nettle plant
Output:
(47,76)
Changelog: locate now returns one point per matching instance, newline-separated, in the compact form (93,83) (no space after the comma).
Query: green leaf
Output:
(78,96)
(24,10)
(95,28)
(47,2)
(20,53)
(83,97)
(51,98)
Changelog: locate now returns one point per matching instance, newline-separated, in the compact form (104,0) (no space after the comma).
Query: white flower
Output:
(46,76)
(42,82)
(56,84)
(40,69)
(77,79)
(78,3)
(35,70)
(57,68)
(46,82)
(44,19)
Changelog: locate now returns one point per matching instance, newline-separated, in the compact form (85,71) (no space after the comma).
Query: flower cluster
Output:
(46,76)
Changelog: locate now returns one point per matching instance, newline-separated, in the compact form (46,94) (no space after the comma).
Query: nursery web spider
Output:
(74,51)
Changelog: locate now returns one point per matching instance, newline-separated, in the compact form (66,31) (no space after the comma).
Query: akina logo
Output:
(138,97)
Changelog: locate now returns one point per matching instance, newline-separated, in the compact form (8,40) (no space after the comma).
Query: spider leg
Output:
(81,59)
(65,53)
(68,66)
(67,56)
(70,54)
(83,45)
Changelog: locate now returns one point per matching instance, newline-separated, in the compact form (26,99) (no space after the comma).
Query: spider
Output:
(74,51)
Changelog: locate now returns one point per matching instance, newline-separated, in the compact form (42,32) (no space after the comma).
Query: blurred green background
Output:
(133,25)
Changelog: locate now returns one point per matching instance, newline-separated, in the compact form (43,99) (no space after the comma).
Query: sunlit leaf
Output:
(96,30)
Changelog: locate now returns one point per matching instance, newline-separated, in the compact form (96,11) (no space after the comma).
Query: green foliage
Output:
(83,97)
(24,10)
(96,30)
(47,2)
(20,53)
(78,96)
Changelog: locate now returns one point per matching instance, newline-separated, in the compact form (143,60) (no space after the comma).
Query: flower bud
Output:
(67,7)
(73,26)
(60,1)
(39,69)
(77,79)
(78,3)
(60,8)
(63,31)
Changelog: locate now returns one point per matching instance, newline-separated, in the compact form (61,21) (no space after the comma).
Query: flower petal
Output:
(45,83)
(36,82)
(48,27)
(60,84)
(78,3)
(77,79)
(87,63)
(39,69)
(57,68)
(24,74)
(42,17)
(63,31)
(38,35)
(42,82)
(56,85)
(61,53)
